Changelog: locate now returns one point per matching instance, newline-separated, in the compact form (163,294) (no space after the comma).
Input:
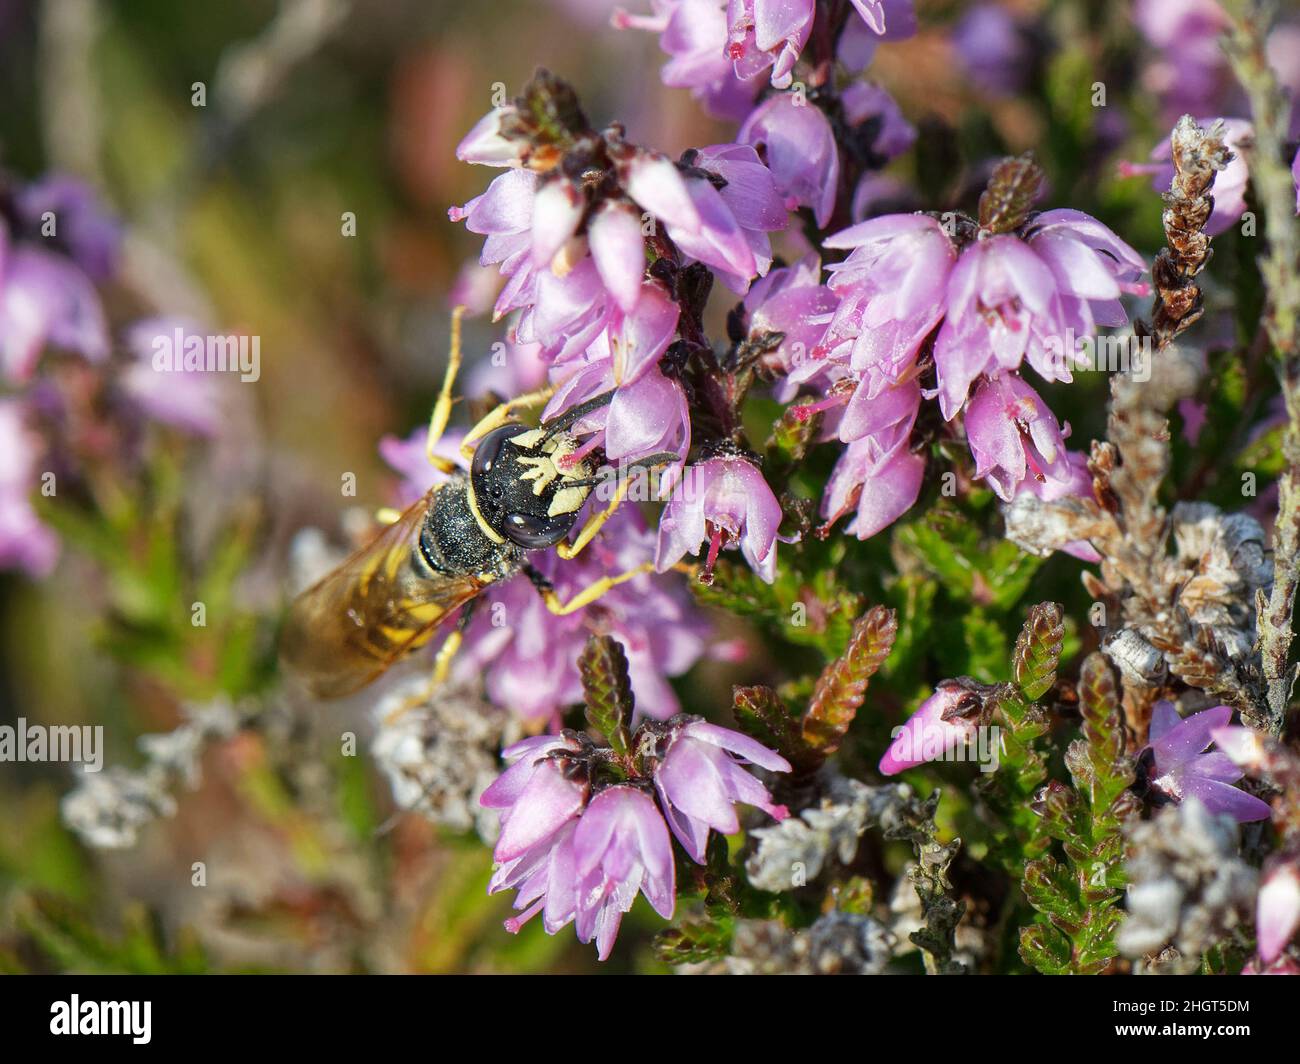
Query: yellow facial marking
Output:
(473,508)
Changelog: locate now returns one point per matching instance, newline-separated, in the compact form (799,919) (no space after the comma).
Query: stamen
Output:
(715,545)
(514,923)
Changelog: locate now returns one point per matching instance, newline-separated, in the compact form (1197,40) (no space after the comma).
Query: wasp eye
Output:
(488,449)
(534,533)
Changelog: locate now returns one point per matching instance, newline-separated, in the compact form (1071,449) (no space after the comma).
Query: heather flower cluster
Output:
(56,244)
(584,828)
(58,247)
(977,301)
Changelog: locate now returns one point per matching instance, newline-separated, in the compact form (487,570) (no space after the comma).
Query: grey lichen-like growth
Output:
(837,943)
(795,852)
(439,754)
(1279,266)
(108,810)
(1188,890)
(1189,612)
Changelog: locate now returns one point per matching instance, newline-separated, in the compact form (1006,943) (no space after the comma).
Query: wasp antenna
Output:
(659,458)
(562,421)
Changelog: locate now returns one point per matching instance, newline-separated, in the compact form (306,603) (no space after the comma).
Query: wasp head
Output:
(526,486)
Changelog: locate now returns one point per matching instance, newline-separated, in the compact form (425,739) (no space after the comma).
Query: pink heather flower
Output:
(1001,300)
(535,793)
(996,300)
(701,776)
(1012,434)
(571,263)
(1077,482)
(1277,913)
(891,290)
(882,20)
(648,414)
(190,400)
(768,33)
(25,543)
(620,847)
(723,501)
(1229,184)
(893,20)
(791,300)
(475,288)
(992,49)
(862,102)
(1190,74)
(45,300)
(926,735)
(796,142)
(82,228)
(745,209)
(531,876)
(1010,300)
(878,477)
(486,145)
(1179,768)
(694,35)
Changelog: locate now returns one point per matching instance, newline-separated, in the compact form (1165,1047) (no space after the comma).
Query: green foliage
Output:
(1077,898)
(57,936)
(815,609)
(1022,765)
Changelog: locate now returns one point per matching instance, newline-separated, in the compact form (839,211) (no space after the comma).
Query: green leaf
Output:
(1038,650)
(694,942)
(1012,189)
(761,714)
(607,689)
(843,684)
(1046,949)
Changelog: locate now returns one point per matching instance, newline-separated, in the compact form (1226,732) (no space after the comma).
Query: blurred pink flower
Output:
(25,543)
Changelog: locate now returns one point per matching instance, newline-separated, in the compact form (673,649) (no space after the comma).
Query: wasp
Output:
(524,492)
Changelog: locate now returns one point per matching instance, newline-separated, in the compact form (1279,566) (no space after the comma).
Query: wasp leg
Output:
(595,522)
(442,408)
(441,665)
(587,595)
(499,415)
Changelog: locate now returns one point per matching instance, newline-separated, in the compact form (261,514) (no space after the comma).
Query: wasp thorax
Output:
(524,490)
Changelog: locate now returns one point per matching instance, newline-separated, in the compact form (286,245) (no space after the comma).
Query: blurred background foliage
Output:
(233,214)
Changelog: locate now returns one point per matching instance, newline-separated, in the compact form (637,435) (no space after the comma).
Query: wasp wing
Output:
(353,624)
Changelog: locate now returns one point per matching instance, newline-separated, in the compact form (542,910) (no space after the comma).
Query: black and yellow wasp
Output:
(523,492)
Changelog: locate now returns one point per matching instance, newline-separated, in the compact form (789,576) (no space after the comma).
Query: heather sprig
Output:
(1077,898)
